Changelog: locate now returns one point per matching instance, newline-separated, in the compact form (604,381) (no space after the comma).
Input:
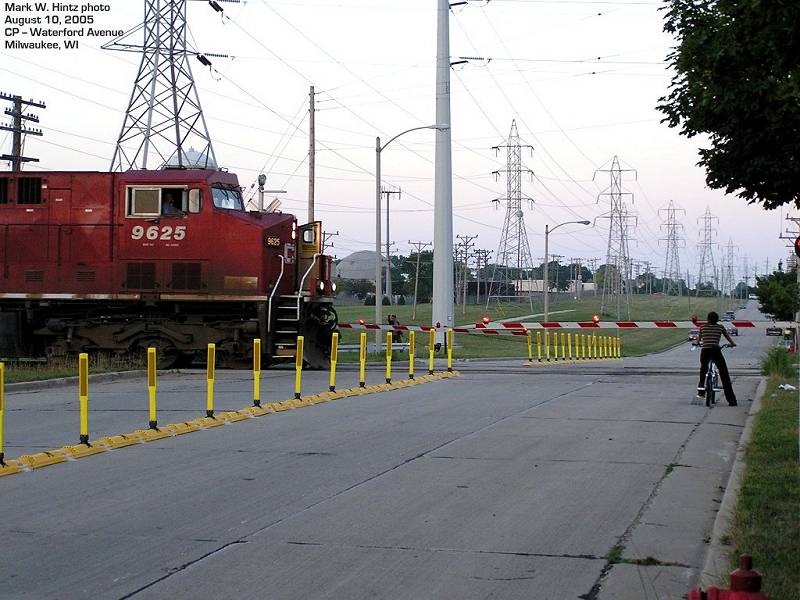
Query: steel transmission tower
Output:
(729,269)
(617,276)
(164,120)
(708,269)
(514,261)
(674,240)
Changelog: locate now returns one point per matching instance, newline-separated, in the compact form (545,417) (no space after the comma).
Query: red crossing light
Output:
(596,318)
(486,320)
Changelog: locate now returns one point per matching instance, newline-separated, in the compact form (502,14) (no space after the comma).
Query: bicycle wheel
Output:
(710,386)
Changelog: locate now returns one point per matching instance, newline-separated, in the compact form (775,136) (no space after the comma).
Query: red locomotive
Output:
(118,262)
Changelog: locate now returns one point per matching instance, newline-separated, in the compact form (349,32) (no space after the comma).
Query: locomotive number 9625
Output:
(154,232)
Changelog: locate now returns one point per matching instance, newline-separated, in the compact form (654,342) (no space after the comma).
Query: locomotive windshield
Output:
(230,198)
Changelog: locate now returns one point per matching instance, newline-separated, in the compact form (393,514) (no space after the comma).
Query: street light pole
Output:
(547,232)
(378,283)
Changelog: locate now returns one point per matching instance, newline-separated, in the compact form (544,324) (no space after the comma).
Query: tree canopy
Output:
(737,80)
(779,295)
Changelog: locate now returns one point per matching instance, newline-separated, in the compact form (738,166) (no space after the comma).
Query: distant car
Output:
(752,297)
(774,331)
(693,333)
(733,330)
(742,306)
(727,317)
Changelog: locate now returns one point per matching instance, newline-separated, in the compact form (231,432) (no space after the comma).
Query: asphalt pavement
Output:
(509,481)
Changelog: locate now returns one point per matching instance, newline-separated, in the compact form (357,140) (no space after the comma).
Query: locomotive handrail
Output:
(303,282)
(274,289)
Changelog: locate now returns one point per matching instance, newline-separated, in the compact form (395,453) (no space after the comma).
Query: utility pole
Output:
(466,244)
(593,265)
(312,154)
(482,256)
(388,194)
(18,131)
(419,247)
(325,237)
(443,309)
(557,259)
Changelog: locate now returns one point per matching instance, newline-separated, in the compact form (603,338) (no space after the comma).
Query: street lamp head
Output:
(585,222)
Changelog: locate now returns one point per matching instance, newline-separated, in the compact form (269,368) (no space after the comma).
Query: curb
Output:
(27,386)
(717,563)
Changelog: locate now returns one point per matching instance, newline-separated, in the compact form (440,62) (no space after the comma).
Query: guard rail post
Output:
(431,348)
(83,396)
(362,360)
(211,359)
(334,355)
(151,387)
(411,352)
(257,372)
(298,368)
(388,357)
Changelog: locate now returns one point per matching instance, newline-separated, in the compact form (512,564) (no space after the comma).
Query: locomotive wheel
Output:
(318,330)
(167,355)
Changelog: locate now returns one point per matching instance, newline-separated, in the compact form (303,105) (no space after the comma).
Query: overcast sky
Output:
(581,78)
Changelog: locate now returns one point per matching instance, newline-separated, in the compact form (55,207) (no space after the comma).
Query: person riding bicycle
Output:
(708,338)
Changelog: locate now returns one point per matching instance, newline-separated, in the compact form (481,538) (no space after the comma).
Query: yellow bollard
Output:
(450,337)
(2,408)
(83,395)
(563,346)
(431,348)
(583,346)
(334,355)
(298,367)
(151,386)
(569,345)
(362,360)
(257,372)
(388,357)
(555,346)
(211,360)
(530,346)
(539,345)
(619,347)
(547,345)
(411,350)
(594,346)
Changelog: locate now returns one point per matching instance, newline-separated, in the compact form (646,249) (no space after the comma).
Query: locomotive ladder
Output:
(287,326)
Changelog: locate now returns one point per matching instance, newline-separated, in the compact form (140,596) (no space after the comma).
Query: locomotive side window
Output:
(29,190)
(195,201)
(3,191)
(144,202)
(156,202)
(228,198)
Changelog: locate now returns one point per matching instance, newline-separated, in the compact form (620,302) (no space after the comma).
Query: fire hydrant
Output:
(745,585)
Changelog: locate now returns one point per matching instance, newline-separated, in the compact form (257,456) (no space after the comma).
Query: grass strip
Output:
(767,518)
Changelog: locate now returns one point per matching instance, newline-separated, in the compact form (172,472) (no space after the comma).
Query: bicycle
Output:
(712,380)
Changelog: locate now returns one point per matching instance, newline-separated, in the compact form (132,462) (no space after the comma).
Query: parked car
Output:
(733,330)
(693,333)
(727,317)
(742,306)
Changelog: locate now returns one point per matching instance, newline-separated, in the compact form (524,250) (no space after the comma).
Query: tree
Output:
(779,295)
(737,80)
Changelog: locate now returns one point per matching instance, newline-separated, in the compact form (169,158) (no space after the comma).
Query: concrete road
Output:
(507,482)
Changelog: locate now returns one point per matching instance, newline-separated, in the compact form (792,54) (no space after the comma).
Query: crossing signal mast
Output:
(164,123)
